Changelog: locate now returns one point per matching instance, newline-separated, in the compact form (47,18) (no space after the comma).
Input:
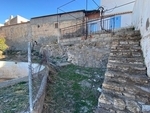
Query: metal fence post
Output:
(30,76)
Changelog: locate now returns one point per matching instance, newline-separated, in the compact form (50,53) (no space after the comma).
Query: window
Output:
(115,22)
(93,27)
(56,25)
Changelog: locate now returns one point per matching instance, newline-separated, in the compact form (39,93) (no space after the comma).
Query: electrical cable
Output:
(119,6)
(66,4)
(95,3)
(69,14)
(63,5)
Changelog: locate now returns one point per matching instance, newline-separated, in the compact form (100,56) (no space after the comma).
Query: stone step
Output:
(126,66)
(128,94)
(129,54)
(125,47)
(129,91)
(127,57)
(128,71)
(102,109)
(116,103)
(117,42)
(125,78)
(113,86)
(120,49)
(137,60)
(124,95)
(127,38)
(123,33)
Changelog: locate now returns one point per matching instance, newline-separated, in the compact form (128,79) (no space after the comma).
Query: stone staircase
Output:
(126,88)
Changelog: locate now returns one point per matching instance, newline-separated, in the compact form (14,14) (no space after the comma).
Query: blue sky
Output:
(34,8)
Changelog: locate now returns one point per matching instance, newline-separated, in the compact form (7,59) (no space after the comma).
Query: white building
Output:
(15,20)
(119,12)
(1,25)
(141,21)
(116,14)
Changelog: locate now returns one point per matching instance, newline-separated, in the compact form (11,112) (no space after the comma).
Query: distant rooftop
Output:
(84,11)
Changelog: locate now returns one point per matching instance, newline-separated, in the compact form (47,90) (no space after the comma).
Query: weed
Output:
(67,94)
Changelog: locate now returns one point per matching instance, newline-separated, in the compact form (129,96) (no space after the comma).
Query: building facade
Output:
(141,21)
(46,29)
(15,20)
(119,12)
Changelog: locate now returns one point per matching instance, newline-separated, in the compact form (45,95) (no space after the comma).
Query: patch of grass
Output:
(14,98)
(69,95)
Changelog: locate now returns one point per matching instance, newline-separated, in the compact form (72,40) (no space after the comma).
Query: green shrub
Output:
(3,45)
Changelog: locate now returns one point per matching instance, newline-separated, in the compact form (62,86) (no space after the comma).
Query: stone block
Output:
(118,111)
(123,42)
(109,74)
(119,104)
(129,95)
(133,106)
(113,87)
(105,99)
(146,108)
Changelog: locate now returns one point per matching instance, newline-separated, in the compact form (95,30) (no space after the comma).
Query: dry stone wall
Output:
(92,52)
(16,35)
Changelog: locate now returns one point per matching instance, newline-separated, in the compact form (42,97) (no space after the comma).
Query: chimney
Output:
(11,17)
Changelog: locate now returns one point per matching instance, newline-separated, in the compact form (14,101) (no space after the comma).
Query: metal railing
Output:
(74,31)
(91,27)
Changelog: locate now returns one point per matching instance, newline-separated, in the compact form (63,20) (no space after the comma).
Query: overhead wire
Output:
(66,3)
(96,3)
(118,6)
(69,14)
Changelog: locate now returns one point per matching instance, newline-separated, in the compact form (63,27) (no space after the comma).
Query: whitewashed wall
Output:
(108,4)
(141,21)
(126,20)
(21,19)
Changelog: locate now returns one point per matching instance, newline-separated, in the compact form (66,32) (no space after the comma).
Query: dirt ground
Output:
(73,89)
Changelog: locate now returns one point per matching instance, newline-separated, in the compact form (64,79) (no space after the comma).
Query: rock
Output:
(133,106)
(105,99)
(119,104)
(120,112)
(129,95)
(112,111)
(99,89)
(84,109)
(146,108)
(109,74)
(85,83)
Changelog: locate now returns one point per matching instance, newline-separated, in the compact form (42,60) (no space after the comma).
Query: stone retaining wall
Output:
(92,52)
